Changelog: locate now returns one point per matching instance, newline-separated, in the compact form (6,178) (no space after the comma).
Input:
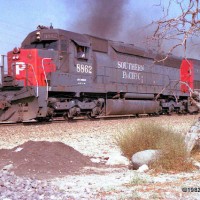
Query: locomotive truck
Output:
(58,73)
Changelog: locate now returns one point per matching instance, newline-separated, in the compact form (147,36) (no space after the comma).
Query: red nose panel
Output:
(186,75)
(28,67)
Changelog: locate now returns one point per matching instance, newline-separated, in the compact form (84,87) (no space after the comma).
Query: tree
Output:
(180,29)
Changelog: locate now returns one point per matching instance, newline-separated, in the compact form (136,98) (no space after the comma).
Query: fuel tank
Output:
(125,107)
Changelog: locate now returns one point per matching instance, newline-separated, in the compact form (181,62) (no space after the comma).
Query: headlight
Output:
(16,50)
(15,57)
(38,35)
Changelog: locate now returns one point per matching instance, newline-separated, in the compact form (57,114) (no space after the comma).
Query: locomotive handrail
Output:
(45,76)
(37,85)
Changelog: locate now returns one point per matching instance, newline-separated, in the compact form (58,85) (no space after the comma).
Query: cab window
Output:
(51,45)
(81,52)
(81,49)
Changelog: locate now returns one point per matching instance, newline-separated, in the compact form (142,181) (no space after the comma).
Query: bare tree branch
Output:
(178,29)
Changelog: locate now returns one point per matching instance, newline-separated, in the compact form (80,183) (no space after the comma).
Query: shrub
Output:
(153,136)
(137,180)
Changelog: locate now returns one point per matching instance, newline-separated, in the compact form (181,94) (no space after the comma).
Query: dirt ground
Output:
(42,159)
(62,153)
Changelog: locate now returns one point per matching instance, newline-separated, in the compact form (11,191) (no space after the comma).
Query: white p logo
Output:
(20,66)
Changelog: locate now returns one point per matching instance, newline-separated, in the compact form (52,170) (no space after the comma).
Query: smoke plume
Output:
(118,20)
(101,18)
(113,19)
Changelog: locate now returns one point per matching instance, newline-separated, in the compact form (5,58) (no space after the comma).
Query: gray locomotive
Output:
(60,73)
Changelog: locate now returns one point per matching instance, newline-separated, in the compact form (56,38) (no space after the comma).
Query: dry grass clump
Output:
(153,136)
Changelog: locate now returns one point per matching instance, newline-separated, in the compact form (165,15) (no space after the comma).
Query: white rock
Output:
(8,167)
(191,140)
(7,199)
(145,157)
(143,168)
(18,149)
(196,163)
(95,160)
(117,159)
(194,128)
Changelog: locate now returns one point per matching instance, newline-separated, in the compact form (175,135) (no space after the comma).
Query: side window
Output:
(81,52)
(81,49)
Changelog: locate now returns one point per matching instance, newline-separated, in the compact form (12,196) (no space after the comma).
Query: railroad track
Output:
(81,119)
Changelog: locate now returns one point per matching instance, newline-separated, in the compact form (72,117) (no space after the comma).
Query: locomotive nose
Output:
(17,66)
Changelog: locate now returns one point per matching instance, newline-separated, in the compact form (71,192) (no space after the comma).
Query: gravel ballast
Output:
(93,139)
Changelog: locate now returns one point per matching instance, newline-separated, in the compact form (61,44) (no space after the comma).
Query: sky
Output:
(18,18)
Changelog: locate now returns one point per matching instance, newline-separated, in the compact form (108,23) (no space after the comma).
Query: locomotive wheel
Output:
(170,110)
(90,116)
(67,117)
(182,112)
(156,114)
(44,119)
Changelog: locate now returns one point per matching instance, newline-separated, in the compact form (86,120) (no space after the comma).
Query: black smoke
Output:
(120,20)
(103,18)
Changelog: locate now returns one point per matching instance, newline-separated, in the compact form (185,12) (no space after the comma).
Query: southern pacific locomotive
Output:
(60,73)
